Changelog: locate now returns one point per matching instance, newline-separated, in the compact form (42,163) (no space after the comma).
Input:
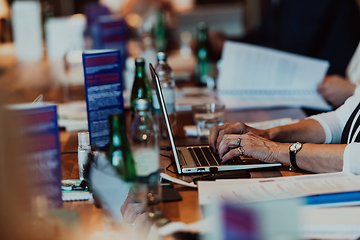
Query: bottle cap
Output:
(83,138)
(161,56)
(139,61)
(142,104)
(202,25)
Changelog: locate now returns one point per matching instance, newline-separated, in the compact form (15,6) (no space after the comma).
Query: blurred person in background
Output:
(335,89)
(13,176)
(25,213)
(4,14)
(324,29)
(141,14)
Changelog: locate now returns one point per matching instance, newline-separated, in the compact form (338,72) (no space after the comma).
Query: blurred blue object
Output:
(276,219)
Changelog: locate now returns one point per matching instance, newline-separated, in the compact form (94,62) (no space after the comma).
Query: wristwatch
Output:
(293,150)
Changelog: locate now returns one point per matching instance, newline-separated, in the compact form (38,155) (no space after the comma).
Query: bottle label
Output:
(169,97)
(83,160)
(116,158)
(147,161)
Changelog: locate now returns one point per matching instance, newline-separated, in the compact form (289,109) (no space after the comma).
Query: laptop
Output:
(201,159)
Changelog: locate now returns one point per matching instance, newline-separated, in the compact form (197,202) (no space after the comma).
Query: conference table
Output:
(187,210)
(25,81)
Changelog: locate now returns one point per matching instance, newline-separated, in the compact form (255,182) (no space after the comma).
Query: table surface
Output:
(187,210)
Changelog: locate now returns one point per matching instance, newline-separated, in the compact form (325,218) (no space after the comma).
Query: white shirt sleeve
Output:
(351,161)
(353,69)
(334,122)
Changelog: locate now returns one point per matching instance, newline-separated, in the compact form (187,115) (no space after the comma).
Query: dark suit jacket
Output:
(325,29)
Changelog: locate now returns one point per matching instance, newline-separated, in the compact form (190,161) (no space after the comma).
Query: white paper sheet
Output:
(26,26)
(63,35)
(254,190)
(330,223)
(178,181)
(73,116)
(253,77)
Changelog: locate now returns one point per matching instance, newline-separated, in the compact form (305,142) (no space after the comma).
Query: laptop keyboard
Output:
(203,156)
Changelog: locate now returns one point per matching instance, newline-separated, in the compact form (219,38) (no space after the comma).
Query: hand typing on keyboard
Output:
(272,145)
(237,139)
(217,133)
(252,145)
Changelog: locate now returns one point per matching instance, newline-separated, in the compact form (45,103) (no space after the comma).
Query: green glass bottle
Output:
(144,142)
(119,152)
(141,87)
(205,65)
(160,31)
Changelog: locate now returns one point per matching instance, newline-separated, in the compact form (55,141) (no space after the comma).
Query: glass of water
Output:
(83,152)
(207,116)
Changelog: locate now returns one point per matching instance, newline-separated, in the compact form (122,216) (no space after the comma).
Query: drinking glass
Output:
(207,116)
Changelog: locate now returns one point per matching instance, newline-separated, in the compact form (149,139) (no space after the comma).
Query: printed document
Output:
(257,77)
(263,189)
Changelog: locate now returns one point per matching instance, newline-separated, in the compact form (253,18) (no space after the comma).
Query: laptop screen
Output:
(161,100)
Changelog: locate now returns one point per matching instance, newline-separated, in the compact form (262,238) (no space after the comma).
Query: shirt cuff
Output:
(351,162)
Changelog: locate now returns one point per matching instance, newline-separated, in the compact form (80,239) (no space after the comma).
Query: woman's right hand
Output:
(217,133)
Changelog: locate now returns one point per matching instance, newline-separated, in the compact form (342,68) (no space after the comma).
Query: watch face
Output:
(295,147)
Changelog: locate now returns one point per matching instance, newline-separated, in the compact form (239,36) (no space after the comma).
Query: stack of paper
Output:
(257,77)
(311,186)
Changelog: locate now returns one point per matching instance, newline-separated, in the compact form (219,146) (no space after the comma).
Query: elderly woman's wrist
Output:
(268,134)
(283,153)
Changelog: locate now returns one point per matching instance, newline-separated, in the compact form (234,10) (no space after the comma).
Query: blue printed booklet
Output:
(104,91)
(38,129)
(109,32)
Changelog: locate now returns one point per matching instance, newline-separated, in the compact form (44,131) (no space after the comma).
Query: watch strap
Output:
(293,165)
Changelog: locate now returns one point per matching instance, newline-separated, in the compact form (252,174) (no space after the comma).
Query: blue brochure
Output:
(109,32)
(104,91)
(335,199)
(40,134)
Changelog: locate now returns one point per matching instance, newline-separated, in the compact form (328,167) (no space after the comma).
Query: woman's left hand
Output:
(252,146)
(336,89)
